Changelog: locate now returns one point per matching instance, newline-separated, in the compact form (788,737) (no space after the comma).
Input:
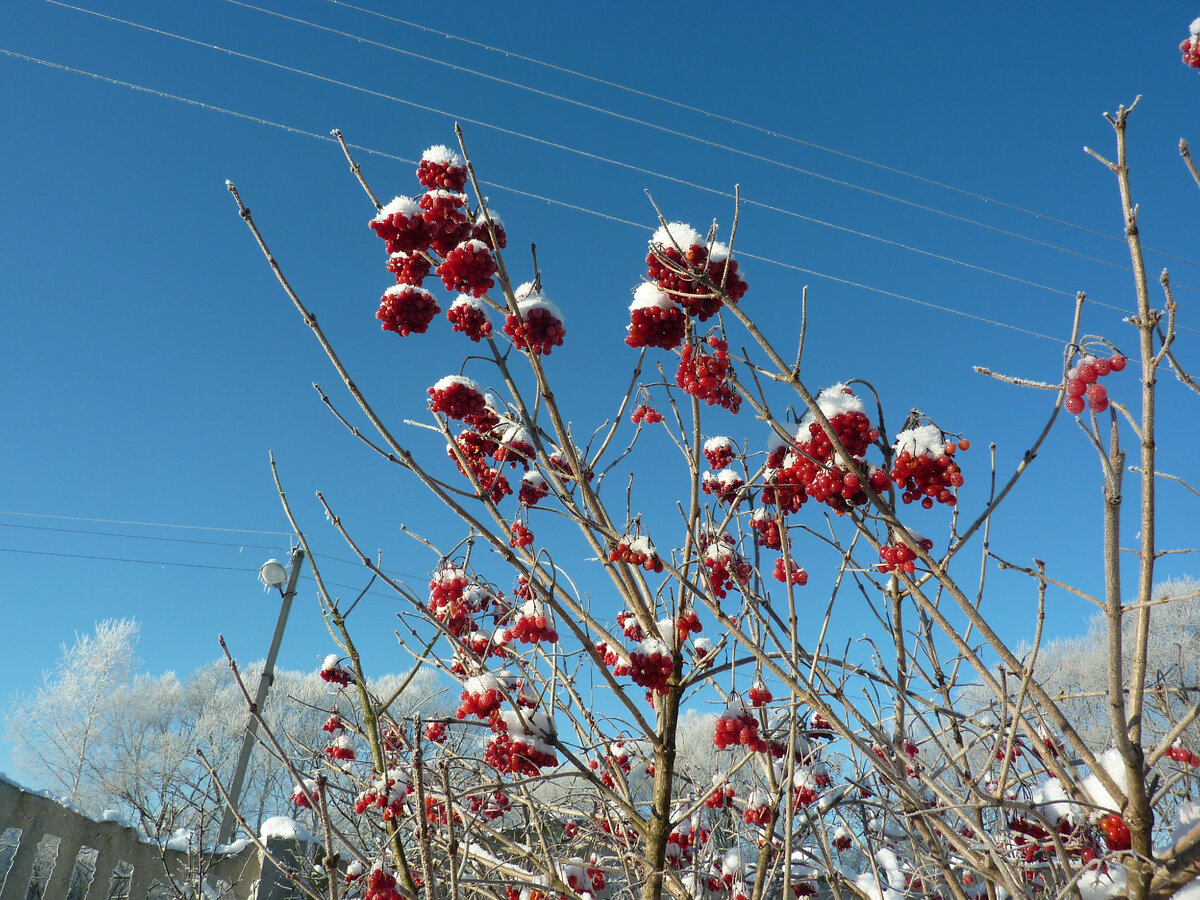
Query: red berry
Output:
(1097,397)
(1118,363)
(1074,405)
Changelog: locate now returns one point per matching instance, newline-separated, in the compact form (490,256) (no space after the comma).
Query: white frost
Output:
(677,233)
(925,440)
(284,828)
(440,153)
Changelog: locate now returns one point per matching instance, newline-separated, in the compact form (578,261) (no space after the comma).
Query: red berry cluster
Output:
(726,567)
(841,840)
(468,269)
(334,673)
(721,796)
(407,310)
(651,665)
(725,485)
(647,414)
(538,325)
(897,557)
(1183,755)
(1190,48)
(467,315)
(479,231)
(341,748)
(719,452)
(789,570)
(436,732)
(381,885)
(441,167)
(680,260)
(1116,832)
(409,268)
(811,468)
(736,727)
(924,467)
(637,551)
(759,694)
(706,375)
(452,603)
(480,697)
(300,798)
(766,529)
(475,449)
(402,226)
(334,724)
(655,320)
(521,536)
(1082,382)
(457,398)
(445,214)
(758,809)
(533,625)
(515,756)
(683,841)
(687,623)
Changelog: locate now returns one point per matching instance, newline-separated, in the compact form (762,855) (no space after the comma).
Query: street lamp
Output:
(272,574)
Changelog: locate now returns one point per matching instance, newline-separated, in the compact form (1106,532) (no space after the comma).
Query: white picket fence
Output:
(51,852)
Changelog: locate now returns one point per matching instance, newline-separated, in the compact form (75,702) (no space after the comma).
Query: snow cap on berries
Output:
(720,444)
(677,233)
(330,662)
(1194,28)
(404,206)
(925,440)
(648,295)
(440,153)
(832,401)
(529,299)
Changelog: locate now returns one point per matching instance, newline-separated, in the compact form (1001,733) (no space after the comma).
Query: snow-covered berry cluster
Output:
(1179,753)
(520,749)
(300,794)
(537,327)
(457,397)
(726,567)
(898,557)
(381,885)
(719,451)
(480,232)
(481,696)
(758,808)
(333,672)
(533,624)
(1190,48)
(705,375)
(334,724)
(409,268)
(811,468)
(655,320)
(924,467)
(1083,386)
(468,269)
(446,217)
(737,727)
(455,601)
(721,795)
(406,309)
(637,551)
(726,485)
(521,535)
(695,273)
(468,315)
(651,665)
(766,529)
(441,168)
(435,731)
(341,747)
(533,488)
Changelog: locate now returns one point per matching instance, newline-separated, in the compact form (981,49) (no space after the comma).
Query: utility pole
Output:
(271,573)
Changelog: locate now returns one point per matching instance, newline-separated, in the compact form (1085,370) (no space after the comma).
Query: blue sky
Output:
(151,361)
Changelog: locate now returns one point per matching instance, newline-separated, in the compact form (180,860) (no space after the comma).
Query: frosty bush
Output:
(878,776)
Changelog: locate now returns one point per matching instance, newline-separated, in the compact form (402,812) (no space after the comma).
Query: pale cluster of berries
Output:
(438,222)
(1190,48)
(924,468)
(1083,384)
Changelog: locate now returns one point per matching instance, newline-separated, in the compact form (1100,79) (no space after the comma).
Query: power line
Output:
(593,156)
(148,524)
(531,195)
(708,114)
(150,562)
(143,537)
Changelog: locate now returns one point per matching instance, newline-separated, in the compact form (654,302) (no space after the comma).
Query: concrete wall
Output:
(52,852)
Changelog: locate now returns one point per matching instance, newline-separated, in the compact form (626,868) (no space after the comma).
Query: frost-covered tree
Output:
(111,738)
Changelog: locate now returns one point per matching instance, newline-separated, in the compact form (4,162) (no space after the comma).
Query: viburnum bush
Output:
(937,765)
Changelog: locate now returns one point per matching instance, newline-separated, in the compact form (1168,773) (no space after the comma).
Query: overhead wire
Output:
(608,161)
(707,113)
(540,197)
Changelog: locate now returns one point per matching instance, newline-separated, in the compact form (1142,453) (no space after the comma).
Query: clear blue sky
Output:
(150,360)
